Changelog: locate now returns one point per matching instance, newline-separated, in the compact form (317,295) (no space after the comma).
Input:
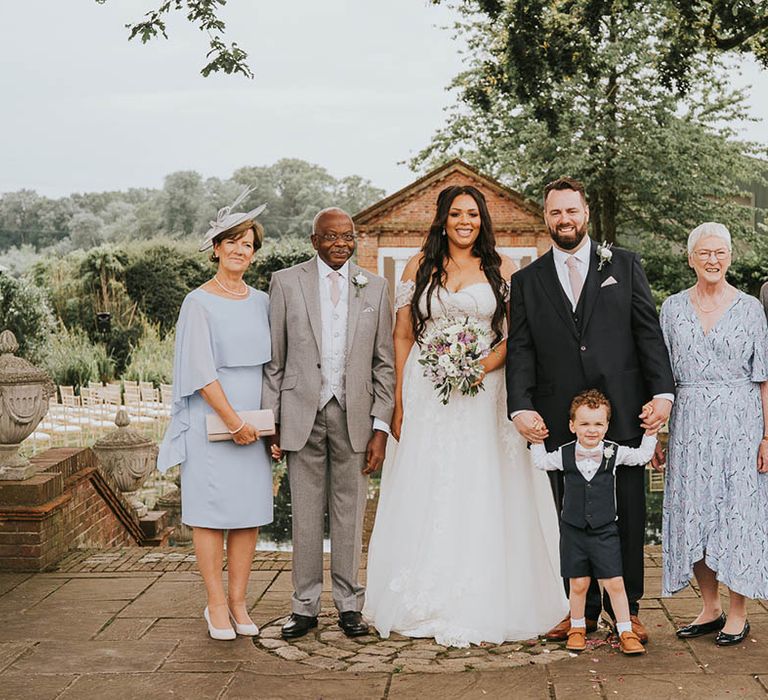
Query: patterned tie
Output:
(335,276)
(595,455)
(574,277)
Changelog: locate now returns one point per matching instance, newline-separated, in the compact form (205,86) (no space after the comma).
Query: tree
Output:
(204,14)
(653,161)
(539,44)
(25,311)
(182,194)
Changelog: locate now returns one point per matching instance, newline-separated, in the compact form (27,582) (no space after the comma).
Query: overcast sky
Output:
(354,85)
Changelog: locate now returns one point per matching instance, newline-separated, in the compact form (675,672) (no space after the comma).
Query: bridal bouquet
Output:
(451,355)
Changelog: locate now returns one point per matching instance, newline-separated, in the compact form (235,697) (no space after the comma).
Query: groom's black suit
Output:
(612,342)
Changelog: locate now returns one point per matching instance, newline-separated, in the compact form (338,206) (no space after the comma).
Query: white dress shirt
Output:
(333,356)
(631,456)
(561,266)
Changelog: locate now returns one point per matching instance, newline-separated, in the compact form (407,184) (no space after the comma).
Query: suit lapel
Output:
(553,289)
(309,278)
(355,303)
(592,284)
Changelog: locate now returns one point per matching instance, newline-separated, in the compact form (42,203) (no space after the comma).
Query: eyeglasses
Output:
(333,237)
(705,255)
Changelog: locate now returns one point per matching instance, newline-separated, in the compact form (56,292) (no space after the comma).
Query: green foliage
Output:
(152,358)
(159,276)
(73,360)
(277,255)
(24,310)
(539,45)
(668,272)
(204,14)
(293,189)
(594,107)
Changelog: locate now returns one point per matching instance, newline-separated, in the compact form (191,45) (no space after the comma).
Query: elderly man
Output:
(331,385)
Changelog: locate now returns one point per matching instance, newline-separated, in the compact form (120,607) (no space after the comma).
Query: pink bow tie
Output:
(596,454)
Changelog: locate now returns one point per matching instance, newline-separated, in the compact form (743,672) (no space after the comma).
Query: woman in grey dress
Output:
(715,521)
(222,344)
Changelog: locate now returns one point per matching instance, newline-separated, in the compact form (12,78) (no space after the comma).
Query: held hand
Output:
(531,426)
(375,452)
(659,459)
(246,435)
(485,370)
(274,445)
(762,456)
(654,414)
(397,420)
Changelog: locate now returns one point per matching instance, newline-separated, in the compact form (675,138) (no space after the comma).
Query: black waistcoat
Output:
(592,502)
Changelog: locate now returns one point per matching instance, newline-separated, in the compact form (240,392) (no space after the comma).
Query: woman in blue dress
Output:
(715,520)
(222,344)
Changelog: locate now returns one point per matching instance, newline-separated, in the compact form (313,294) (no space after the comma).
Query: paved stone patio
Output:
(127,623)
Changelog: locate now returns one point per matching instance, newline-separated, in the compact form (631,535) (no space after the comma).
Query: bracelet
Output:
(239,428)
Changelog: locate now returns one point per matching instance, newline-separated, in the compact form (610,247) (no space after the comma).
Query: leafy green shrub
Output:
(152,358)
(158,277)
(24,310)
(276,255)
(72,359)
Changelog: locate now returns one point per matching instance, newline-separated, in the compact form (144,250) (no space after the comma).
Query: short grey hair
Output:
(329,210)
(710,228)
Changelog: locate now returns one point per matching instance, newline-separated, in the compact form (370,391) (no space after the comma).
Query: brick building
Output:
(392,230)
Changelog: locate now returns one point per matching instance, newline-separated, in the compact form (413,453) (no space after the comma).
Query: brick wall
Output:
(403,220)
(67,505)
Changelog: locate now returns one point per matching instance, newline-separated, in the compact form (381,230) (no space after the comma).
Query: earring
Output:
(444,232)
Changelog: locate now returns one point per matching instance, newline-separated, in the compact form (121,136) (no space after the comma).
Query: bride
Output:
(464,548)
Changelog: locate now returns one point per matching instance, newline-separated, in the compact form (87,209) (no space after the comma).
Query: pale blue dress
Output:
(223,485)
(715,500)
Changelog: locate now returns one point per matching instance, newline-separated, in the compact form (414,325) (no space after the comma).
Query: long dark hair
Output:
(431,270)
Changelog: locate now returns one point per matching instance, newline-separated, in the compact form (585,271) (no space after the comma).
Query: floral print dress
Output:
(715,500)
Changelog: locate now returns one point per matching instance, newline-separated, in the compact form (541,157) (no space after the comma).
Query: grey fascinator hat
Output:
(226,220)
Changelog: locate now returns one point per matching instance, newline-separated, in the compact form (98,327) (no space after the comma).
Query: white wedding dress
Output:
(465,544)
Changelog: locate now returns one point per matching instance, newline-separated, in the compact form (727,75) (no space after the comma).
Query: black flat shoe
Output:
(351,623)
(724,639)
(297,626)
(696,630)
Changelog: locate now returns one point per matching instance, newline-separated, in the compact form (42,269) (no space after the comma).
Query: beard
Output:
(568,243)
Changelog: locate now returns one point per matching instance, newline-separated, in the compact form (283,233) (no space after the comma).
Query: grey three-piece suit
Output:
(325,445)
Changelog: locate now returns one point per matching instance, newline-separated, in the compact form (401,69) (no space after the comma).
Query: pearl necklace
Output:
(229,291)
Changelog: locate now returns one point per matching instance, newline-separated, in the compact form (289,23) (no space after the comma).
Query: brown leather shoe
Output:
(559,633)
(630,643)
(639,629)
(577,639)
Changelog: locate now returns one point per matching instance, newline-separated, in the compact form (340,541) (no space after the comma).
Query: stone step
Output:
(160,539)
(153,523)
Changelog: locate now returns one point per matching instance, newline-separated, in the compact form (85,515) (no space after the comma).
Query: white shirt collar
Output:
(601,446)
(325,269)
(582,254)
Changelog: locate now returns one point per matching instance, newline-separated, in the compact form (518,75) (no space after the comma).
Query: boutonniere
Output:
(360,281)
(608,452)
(604,254)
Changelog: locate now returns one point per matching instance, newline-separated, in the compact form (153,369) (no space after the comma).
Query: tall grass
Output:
(70,358)
(152,359)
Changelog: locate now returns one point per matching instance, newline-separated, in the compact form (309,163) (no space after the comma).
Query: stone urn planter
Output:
(24,394)
(128,457)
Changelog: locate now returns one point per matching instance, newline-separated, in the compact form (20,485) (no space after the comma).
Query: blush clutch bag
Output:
(263,420)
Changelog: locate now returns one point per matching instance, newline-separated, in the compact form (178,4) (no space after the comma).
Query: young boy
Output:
(589,535)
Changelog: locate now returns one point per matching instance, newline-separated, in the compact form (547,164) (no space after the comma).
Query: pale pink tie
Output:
(574,277)
(335,288)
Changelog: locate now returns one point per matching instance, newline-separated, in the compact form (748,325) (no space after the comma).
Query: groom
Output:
(331,385)
(585,320)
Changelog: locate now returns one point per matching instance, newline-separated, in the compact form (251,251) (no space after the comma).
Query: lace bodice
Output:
(475,300)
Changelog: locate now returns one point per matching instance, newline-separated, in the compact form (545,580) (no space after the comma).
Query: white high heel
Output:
(248,630)
(225,634)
